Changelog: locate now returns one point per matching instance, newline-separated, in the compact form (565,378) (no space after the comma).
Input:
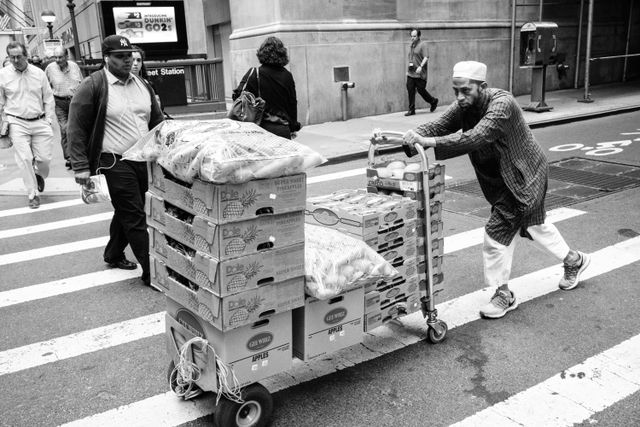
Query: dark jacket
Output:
(278,90)
(87,112)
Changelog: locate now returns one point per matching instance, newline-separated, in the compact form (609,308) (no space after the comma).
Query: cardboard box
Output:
(253,352)
(406,269)
(358,215)
(322,327)
(391,311)
(223,203)
(436,194)
(381,242)
(400,250)
(411,181)
(397,292)
(229,240)
(233,275)
(233,311)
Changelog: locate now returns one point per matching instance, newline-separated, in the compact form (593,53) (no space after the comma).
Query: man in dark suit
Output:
(512,171)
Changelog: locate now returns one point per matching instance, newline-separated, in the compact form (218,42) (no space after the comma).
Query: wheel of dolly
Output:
(254,412)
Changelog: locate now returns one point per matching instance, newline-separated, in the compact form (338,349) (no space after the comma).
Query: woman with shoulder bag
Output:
(275,85)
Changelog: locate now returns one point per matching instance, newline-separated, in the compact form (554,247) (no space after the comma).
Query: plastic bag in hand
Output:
(336,262)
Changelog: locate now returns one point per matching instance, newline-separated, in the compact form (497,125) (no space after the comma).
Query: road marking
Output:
(389,337)
(65,286)
(43,207)
(48,251)
(44,352)
(55,225)
(451,243)
(571,396)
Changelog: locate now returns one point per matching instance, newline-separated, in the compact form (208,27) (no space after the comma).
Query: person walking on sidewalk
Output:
(65,77)
(110,111)
(26,103)
(512,171)
(417,73)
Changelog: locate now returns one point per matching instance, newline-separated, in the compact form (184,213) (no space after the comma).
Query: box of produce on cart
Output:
(392,310)
(399,291)
(400,250)
(436,193)
(381,242)
(223,203)
(229,276)
(398,175)
(361,214)
(322,327)
(232,311)
(406,268)
(253,352)
(224,241)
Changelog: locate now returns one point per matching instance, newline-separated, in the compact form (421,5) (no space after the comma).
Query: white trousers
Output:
(497,258)
(32,144)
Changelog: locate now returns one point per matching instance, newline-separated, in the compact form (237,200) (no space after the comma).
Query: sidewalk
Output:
(345,140)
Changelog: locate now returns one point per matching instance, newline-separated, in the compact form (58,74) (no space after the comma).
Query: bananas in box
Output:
(398,175)
(359,213)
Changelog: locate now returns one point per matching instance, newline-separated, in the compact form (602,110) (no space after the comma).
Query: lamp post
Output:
(76,45)
(48,16)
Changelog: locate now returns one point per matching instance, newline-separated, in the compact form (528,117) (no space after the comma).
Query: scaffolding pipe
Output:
(626,48)
(587,62)
(540,11)
(576,73)
(513,44)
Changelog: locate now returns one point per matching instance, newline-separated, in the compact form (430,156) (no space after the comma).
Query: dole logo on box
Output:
(335,316)
(259,341)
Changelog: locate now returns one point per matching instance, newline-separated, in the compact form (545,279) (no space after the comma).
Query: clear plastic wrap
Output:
(222,151)
(336,262)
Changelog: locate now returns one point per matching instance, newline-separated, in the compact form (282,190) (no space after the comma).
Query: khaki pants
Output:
(32,144)
(498,258)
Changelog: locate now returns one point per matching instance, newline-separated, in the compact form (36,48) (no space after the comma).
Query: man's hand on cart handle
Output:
(411,138)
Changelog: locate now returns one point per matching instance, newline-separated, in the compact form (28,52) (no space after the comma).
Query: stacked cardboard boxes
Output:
(410,184)
(388,224)
(230,259)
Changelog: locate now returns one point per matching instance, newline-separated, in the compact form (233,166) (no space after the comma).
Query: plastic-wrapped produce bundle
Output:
(222,151)
(336,262)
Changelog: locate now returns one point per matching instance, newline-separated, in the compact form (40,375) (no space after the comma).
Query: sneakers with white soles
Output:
(501,303)
(572,272)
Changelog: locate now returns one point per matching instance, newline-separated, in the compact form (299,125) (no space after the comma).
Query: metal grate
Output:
(572,181)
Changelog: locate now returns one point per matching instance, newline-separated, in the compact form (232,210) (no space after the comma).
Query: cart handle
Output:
(394,138)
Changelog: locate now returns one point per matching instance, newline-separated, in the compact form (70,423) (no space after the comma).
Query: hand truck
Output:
(437,328)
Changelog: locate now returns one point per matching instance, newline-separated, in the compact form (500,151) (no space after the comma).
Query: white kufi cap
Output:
(470,70)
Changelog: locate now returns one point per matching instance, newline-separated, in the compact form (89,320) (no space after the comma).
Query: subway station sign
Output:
(170,84)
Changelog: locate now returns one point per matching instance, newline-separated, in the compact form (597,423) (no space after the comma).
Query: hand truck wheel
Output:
(254,412)
(437,332)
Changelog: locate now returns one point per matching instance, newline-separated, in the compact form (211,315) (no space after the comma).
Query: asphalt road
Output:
(78,342)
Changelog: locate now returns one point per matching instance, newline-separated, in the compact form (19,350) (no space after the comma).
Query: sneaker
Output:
(572,272)
(34,203)
(501,303)
(410,113)
(40,181)
(434,106)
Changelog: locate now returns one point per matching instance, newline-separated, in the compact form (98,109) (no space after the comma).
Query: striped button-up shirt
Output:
(510,165)
(26,94)
(64,82)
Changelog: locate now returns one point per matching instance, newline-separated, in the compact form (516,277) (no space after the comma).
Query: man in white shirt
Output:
(26,102)
(65,77)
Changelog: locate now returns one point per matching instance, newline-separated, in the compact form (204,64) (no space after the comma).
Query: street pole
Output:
(71,5)
(587,60)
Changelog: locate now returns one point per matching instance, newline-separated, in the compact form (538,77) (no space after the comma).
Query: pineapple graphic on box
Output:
(237,245)
(242,314)
(235,209)
(187,198)
(240,280)
(199,206)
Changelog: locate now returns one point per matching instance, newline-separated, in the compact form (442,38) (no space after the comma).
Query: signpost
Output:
(50,45)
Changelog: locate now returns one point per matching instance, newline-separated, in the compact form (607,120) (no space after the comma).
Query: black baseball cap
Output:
(115,43)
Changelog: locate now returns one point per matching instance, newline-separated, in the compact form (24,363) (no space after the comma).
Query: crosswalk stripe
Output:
(451,243)
(43,207)
(388,337)
(41,353)
(48,251)
(571,396)
(49,226)
(65,286)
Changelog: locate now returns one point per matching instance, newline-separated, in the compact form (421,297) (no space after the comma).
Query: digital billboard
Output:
(158,27)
